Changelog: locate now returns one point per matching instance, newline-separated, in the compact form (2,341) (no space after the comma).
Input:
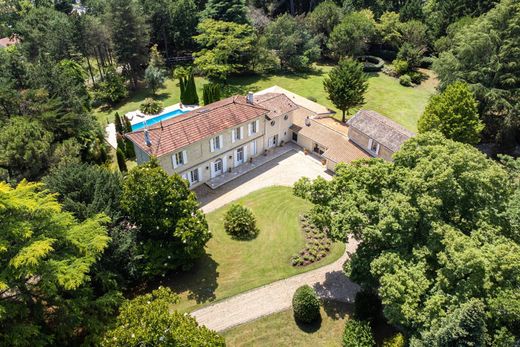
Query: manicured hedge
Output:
(371,63)
(306,305)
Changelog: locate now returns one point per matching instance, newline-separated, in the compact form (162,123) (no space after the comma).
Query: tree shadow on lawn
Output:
(338,289)
(200,282)
(309,327)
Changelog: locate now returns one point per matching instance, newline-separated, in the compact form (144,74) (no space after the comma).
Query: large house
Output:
(218,138)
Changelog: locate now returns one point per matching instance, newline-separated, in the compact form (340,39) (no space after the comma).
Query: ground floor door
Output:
(217,168)
(239,156)
(273,141)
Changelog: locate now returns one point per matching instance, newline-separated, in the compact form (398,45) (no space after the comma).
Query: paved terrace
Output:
(250,166)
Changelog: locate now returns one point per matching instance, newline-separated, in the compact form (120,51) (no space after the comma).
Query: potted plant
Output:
(305,151)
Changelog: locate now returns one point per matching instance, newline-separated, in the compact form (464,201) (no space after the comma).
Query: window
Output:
(216,143)
(373,146)
(179,159)
(253,127)
(194,176)
(285,117)
(273,123)
(295,137)
(236,134)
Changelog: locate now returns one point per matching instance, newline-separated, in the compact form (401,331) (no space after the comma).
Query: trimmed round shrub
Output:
(357,334)
(400,66)
(306,305)
(417,77)
(367,306)
(240,222)
(405,80)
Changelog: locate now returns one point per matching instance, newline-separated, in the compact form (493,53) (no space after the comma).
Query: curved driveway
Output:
(329,281)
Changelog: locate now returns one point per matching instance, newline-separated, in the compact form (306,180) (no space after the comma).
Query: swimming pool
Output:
(157,119)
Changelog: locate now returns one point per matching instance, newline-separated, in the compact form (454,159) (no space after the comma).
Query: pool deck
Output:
(138,117)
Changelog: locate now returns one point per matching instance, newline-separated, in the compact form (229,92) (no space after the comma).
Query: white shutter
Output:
(253,148)
(200,174)
(370,144)
(377,149)
(245,153)
(241,133)
(174,161)
(233,136)
(221,140)
(250,129)
(211,145)
(224,164)
(211,169)
(184,157)
(257,122)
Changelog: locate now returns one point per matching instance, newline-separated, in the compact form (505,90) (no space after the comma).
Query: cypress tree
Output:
(118,123)
(121,160)
(182,85)
(130,152)
(128,125)
(121,142)
(210,93)
(194,98)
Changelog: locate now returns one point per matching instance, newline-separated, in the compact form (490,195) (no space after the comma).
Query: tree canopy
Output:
(484,53)
(173,229)
(435,239)
(45,264)
(147,321)
(226,48)
(227,11)
(294,45)
(346,85)
(454,113)
(352,35)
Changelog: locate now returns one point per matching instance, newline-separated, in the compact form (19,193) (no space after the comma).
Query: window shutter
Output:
(369,144)
(245,153)
(241,132)
(233,136)
(250,129)
(377,149)
(174,161)
(257,122)
(200,174)
(211,145)
(221,140)
(184,157)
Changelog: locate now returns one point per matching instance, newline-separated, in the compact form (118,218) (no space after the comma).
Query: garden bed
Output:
(317,244)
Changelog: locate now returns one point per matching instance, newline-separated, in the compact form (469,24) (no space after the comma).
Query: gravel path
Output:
(329,281)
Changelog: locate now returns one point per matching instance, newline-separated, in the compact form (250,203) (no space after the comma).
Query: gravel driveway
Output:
(281,171)
(329,281)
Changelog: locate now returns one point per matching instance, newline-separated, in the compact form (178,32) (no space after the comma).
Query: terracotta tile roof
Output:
(339,148)
(277,104)
(385,131)
(298,100)
(196,125)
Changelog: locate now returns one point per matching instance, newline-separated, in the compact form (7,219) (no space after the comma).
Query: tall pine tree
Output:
(227,11)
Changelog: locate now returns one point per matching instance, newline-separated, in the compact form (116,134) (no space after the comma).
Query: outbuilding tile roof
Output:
(383,130)
(206,121)
(339,148)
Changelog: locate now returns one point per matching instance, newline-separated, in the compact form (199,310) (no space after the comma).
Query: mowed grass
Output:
(280,329)
(385,95)
(231,267)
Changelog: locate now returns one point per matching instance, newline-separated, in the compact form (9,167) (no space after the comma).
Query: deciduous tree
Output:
(352,35)
(173,229)
(454,113)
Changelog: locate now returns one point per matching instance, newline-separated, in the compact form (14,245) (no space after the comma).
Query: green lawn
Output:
(385,95)
(280,329)
(231,267)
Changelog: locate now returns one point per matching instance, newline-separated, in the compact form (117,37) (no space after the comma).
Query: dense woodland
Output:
(439,227)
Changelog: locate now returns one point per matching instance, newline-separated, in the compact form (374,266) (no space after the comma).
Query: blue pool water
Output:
(157,119)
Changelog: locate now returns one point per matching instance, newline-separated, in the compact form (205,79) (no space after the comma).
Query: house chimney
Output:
(249,98)
(308,121)
(147,138)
